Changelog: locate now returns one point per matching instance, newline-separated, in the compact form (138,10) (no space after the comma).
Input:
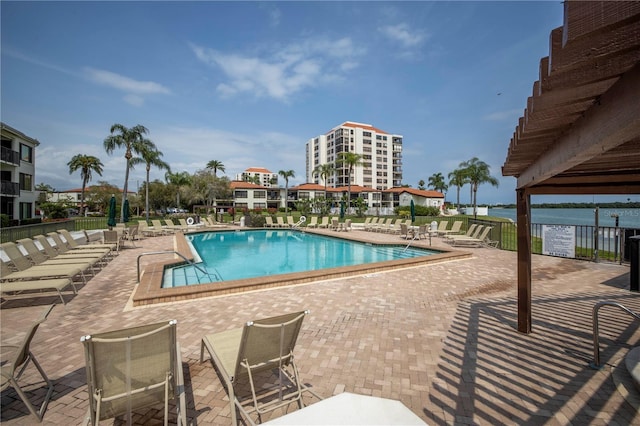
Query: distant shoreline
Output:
(615,205)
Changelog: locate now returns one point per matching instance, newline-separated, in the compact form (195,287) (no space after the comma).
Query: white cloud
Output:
(404,35)
(134,100)
(125,84)
(282,73)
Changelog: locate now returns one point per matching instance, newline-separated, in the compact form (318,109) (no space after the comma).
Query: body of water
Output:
(628,218)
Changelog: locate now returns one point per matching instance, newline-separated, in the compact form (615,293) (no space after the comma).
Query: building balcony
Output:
(10,188)
(10,156)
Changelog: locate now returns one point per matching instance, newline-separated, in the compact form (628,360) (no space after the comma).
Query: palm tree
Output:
(286,174)
(87,164)
(351,160)
(421,184)
(458,178)
(436,181)
(324,171)
(149,156)
(131,140)
(478,172)
(216,165)
(179,179)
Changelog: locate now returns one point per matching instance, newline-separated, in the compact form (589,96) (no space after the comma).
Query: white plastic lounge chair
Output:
(280,222)
(313,222)
(70,245)
(372,224)
(290,222)
(262,345)
(134,368)
(470,232)
(478,241)
(455,229)
(268,221)
(17,363)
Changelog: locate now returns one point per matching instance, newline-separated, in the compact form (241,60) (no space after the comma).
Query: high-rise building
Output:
(259,176)
(381,156)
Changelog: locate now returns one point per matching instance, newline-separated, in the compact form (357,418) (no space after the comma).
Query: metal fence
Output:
(15,233)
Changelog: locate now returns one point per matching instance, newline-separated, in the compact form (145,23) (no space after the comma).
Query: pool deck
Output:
(439,337)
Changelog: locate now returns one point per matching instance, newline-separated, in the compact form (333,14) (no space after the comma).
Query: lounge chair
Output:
(442,227)
(280,222)
(33,287)
(335,224)
(455,229)
(148,231)
(176,227)
(372,224)
(73,244)
(261,345)
(477,241)
(268,221)
(39,258)
(26,270)
(324,223)
(290,222)
(404,231)
(52,253)
(395,227)
(89,250)
(18,362)
(470,232)
(162,229)
(134,368)
(313,222)
(346,226)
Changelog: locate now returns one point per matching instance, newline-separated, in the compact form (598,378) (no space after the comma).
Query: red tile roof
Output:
(257,170)
(240,184)
(361,126)
(418,192)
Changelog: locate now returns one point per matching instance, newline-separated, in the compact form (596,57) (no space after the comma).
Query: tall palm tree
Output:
(87,164)
(478,172)
(421,184)
(131,140)
(351,160)
(179,180)
(216,166)
(324,171)
(458,178)
(149,156)
(286,174)
(436,181)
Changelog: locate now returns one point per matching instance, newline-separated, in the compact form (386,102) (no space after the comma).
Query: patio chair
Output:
(111,237)
(73,244)
(290,222)
(313,222)
(371,225)
(134,368)
(280,222)
(262,345)
(268,221)
(26,270)
(39,258)
(324,223)
(33,287)
(455,229)
(70,246)
(15,359)
(477,241)
(442,226)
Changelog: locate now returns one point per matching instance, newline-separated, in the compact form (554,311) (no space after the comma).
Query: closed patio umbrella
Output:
(111,221)
(413,211)
(341,209)
(125,213)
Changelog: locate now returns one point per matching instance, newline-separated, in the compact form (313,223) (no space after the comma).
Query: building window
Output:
(26,153)
(303,195)
(26,182)
(259,205)
(259,194)
(241,194)
(25,210)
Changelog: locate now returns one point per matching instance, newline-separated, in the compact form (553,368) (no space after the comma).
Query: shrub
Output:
(256,220)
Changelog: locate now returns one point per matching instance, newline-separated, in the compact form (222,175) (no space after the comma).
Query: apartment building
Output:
(381,156)
(265,177)
(17,172)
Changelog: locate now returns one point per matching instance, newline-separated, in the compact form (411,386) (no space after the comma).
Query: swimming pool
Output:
(227,256)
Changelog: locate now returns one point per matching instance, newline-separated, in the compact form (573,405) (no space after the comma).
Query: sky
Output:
(249,83)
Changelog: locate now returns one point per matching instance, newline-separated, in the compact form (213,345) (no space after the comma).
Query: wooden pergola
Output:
(580,132)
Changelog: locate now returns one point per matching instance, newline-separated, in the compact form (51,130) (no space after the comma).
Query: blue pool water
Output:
(227,256)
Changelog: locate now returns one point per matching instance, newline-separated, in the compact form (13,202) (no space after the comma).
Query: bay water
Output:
(628,218)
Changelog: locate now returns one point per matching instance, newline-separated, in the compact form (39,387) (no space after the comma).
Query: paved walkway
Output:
(441,338)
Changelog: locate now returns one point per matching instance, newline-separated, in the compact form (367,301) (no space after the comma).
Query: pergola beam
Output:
(611,122)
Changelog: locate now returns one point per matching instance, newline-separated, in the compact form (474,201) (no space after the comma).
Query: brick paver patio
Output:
(441,338)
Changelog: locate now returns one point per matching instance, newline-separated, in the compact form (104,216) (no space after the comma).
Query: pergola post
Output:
(523,208)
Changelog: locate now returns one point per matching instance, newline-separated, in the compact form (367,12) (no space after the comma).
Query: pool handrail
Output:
(150,253)
(596,329)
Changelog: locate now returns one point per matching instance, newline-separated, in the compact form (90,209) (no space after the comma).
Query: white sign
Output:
(559,240)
